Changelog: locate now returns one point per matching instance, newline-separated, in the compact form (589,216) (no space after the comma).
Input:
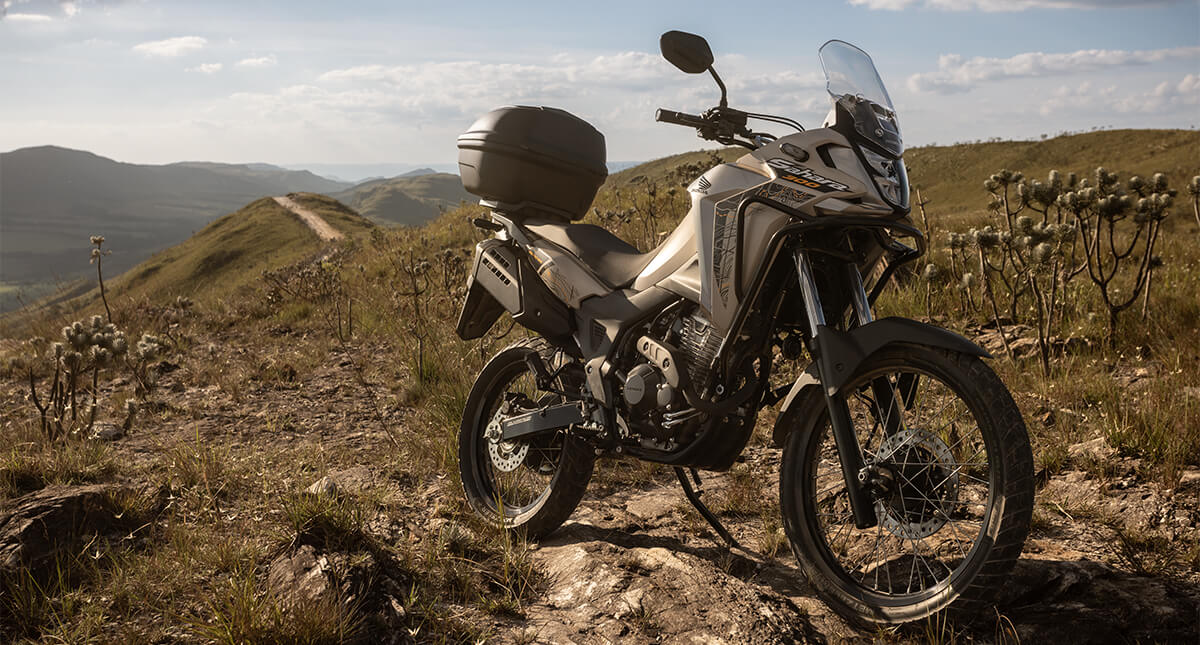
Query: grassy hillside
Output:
(407,200)
(235,250)
(951,177)
(54,198)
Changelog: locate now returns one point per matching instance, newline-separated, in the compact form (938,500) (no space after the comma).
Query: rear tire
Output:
(953,524)
(547,476)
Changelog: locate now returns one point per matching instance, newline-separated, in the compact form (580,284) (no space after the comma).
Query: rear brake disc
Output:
(506,455)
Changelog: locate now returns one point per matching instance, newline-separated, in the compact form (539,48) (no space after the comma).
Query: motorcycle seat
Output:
(610,258)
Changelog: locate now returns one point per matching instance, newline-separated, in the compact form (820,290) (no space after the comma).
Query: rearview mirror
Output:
(689,52)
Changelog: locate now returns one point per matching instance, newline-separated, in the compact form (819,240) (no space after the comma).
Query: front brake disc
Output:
(927,485)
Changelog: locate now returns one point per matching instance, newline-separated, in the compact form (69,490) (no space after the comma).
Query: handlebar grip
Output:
(678,118)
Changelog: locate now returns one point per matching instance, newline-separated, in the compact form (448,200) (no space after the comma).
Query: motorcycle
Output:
(906,483)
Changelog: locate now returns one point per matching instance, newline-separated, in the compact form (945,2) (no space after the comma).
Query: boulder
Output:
(40,525)
(300,577)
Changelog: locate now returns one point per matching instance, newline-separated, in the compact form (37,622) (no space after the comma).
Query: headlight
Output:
(890,176)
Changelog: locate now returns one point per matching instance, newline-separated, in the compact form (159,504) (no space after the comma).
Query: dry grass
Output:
(268,398)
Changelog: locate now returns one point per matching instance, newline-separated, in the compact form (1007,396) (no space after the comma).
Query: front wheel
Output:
(532,485)
(952,481)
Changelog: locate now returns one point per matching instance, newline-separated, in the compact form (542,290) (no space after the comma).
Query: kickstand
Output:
(693,496)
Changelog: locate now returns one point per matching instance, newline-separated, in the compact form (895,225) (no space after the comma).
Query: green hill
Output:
(951,177)
(407,200)
(235,249)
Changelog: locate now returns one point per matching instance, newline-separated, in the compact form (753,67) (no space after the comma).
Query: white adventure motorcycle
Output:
(906,483)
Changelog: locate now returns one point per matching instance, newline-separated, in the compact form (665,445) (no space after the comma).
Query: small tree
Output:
(1119,228)
(88,348)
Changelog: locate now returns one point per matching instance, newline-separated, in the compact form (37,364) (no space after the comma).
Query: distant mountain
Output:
(54,198)
(408,200)
(357,173)
(418,172)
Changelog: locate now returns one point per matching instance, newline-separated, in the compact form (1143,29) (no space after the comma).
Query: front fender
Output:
(843,352)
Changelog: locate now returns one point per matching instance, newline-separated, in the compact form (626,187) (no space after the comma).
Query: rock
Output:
(43,523)
(632,590)
(300,578)
(1190,476)
(105,431)
(323,487)
(1097,449)
(1082,601)
(1024,346)
(350,480)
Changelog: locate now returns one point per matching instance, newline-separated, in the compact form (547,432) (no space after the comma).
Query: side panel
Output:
(566,277)
(675,252)
(759,225)
(508,276)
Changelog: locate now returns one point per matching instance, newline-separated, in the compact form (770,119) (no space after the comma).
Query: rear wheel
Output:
(533,485)
(953,490)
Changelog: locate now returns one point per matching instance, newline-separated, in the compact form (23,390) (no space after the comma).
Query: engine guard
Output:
(845,351)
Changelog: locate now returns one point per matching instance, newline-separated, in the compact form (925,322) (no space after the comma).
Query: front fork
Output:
(850,453)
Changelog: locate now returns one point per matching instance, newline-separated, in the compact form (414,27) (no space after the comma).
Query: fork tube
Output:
(858,295)
(849,452)
(887,413)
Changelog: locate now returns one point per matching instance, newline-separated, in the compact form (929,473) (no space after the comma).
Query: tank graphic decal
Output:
(725,243)
(785,195)
(558,286)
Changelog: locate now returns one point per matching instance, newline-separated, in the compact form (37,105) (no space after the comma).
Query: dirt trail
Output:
(319,226)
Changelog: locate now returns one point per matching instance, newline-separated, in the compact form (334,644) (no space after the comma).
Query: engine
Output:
(699,343)
(653,387)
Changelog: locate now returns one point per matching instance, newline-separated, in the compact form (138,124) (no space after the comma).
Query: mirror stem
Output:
(720,84)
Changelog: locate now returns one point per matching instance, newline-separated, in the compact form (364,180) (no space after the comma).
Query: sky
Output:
(305,82)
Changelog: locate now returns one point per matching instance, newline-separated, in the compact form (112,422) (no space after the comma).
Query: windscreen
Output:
(852,81)
(849,70)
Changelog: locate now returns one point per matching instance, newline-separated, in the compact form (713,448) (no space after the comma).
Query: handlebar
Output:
(721,124)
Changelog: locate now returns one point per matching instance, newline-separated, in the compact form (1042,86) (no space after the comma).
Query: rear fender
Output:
(503,280)
(844,352)
(480,311)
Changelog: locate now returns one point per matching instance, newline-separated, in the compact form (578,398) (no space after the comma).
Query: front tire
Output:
(533,486)
(956,504)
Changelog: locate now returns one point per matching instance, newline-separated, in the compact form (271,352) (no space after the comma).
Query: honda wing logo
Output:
(702,185)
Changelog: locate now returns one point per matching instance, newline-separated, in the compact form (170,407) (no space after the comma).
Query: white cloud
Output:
(262,61)
(957,74)
(206,68)
(26,17)
(1165,97)
(171,47)
(1005,5)
(46,10)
